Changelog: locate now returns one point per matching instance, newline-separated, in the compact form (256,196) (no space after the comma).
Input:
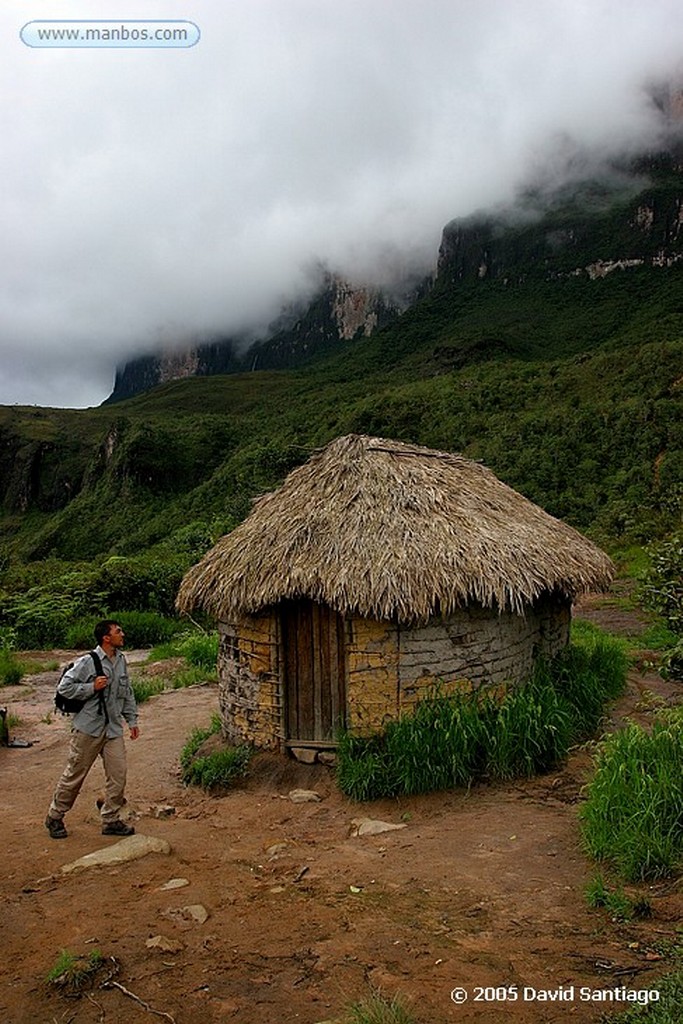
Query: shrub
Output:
(11,670)
(196,646)
(633,813)
(142,629)
(662,588)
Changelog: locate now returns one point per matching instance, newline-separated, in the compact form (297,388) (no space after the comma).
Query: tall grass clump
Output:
(194,742)
(633,814)
(378,1009)
(440,745)
(143,689)
(11,670)
(590,672)
(529,731)
(220,768)
(217,769)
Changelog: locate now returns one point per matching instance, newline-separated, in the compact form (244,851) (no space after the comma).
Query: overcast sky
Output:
(151,196)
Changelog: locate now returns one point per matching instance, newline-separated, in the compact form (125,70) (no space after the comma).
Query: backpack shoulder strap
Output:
(97,663)
(102,703)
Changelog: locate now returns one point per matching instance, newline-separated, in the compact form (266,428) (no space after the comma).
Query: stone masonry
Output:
(388,667)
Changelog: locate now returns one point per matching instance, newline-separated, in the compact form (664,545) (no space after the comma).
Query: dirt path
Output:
(480,889)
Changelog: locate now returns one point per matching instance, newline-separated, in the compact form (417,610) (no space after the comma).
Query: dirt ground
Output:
(479,891)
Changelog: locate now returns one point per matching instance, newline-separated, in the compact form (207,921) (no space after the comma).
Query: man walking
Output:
(97,729)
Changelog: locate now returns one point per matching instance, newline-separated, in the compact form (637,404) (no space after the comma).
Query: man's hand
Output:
(100,682)
(134,732)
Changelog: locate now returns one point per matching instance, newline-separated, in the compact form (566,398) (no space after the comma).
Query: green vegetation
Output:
(198,647)
(634,808)
(72,973)
(11,670)
(197,651)
(453,740)
(568,388)
(620,906)
(666,1010)
(662,590)
(216,770)
(143,689)
(219,769)
(378,1009)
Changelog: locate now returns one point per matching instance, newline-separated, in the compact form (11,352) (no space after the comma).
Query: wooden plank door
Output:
(313,662)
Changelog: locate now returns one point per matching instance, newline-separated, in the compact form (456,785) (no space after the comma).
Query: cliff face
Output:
(590,230)
(600,229)
(339,313)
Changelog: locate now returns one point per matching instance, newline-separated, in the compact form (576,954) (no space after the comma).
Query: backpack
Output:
(72,705)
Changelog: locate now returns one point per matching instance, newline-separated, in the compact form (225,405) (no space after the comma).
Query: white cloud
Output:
(170,193)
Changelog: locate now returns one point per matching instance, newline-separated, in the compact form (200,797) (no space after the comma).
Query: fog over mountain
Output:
(159,196)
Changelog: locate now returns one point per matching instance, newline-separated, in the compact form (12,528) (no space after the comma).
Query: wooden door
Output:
(313,655)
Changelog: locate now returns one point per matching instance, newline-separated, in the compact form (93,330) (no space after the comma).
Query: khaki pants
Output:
(82,754)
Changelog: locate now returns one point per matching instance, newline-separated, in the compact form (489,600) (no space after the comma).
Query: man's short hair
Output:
(102,629)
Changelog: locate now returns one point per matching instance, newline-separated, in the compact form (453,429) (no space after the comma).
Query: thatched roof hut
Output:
(389,530)
(380,531)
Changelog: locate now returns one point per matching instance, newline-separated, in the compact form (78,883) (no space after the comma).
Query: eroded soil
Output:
(481,888)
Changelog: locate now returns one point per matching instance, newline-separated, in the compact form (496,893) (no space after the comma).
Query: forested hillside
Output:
(567,383)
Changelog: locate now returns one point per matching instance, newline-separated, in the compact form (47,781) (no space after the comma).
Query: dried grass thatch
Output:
(389,530)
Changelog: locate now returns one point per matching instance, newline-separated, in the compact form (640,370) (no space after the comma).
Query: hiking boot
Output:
(55,827)
(117,828)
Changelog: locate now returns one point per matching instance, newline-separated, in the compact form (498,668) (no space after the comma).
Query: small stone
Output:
(275,850)
(196,912)
(304,796)
(163,811)
(327,757)
(163,944)
(371,827)
(276,889)
(174,883)
(307,755)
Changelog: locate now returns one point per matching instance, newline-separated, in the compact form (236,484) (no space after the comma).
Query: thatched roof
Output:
(393,531)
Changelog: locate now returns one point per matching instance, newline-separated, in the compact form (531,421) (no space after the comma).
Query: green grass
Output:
(195,740)
(143,689)
(378,1009)
(633,814)
(666,1010)
(199,648)
(453,740)
(11,669)
(217,770)
(620,907)
(72,973)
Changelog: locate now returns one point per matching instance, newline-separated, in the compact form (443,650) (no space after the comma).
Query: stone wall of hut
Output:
(250,695)
(390,667)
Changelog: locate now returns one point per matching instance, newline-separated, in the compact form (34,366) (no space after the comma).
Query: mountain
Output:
(338,313)
(549,345)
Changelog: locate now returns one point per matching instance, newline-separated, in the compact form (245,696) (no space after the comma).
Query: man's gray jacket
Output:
(79,682)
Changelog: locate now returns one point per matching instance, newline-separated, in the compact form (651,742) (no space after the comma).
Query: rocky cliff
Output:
(339,313)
